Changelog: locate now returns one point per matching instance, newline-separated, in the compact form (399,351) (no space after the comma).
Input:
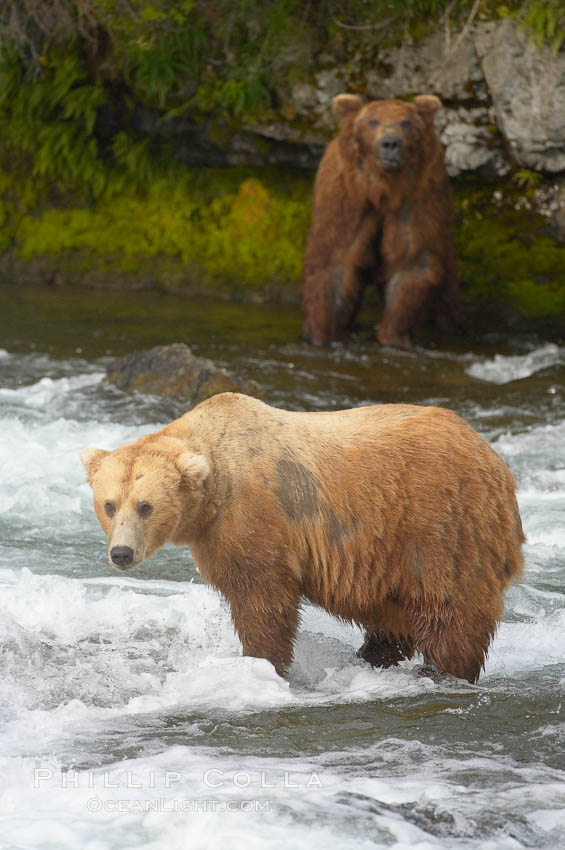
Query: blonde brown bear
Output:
(399,518)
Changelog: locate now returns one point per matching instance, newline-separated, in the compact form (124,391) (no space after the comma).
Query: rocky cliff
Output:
(504,100)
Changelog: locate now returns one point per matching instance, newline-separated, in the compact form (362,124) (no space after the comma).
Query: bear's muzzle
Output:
(390,151)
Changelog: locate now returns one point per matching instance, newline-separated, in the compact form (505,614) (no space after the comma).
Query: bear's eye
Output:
(373,123)
(109,508)
(144,508)
(407,124)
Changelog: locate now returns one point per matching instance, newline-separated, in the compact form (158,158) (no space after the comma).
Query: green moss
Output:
(230,230)
(535,301)
(505,257)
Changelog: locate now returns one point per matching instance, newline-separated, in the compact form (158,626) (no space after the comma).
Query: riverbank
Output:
(240,234)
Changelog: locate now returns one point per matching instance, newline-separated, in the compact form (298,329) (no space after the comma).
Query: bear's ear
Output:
(346,106)
(91,460)
(427,104)
(193,467)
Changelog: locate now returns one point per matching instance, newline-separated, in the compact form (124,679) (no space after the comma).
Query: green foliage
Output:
(258,232)
(157,44)
(49,130)
(49,122)
(243,96)
(536,301)
(527,180)
(190,57)
(240,95)
(544,20)
(5,228)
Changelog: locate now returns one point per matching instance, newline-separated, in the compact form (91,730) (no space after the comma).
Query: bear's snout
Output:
(121,556)
(390,151)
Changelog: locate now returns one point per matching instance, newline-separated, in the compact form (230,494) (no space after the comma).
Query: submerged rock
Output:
(174,371)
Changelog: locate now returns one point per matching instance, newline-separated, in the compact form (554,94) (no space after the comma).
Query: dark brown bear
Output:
(382,215)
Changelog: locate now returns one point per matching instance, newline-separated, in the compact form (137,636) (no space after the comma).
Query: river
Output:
(129,719)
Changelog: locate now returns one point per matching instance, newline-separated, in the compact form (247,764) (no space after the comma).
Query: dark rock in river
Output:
(174,371)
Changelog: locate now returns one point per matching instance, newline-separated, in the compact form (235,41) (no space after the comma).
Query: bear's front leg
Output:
(406,297)
(266,620)
(318,298)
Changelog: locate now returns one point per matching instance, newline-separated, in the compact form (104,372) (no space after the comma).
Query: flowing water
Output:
(129,719)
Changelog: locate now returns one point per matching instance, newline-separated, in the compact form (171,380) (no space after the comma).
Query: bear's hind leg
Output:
(382,650)
(461,668)
(452,641)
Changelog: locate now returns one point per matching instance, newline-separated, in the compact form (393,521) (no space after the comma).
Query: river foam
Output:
(503,369)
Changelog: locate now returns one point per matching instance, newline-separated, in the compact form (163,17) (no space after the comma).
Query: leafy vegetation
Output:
(84,185)
(545,22)
(209,54)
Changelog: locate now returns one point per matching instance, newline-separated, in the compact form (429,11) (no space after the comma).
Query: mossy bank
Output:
(240,233)
(225,232)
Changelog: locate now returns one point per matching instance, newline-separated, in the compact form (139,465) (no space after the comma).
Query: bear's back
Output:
(415,438)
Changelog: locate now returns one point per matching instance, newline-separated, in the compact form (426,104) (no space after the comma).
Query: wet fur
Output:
(396,517)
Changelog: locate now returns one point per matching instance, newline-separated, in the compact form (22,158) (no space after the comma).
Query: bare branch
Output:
(463,34)
(378,26)
(29,26)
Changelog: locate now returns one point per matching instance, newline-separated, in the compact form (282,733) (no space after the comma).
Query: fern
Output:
(48,123)
(132,162)
(157,44)
(544,20)
(527,180)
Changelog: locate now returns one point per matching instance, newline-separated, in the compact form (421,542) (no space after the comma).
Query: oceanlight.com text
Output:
(174,806)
